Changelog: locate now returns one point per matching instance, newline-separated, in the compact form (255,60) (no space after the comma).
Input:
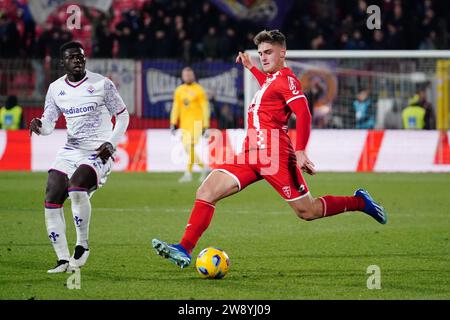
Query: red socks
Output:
(203,211)
(333,205)
(199,220)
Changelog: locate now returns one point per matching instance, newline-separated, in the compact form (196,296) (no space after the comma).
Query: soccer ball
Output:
(212,263)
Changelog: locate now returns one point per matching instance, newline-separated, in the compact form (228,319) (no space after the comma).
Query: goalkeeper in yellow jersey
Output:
(190,113)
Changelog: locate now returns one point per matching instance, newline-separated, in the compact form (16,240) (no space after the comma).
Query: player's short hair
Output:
(69,45)
(270,36)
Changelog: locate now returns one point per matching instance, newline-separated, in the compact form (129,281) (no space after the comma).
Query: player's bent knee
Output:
(206,193)
(305,214)
(56,196)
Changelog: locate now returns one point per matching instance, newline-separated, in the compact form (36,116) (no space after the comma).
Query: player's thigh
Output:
(226,180)
(56,189)
(287,180)
(216,186)
(84,177)
(91,172)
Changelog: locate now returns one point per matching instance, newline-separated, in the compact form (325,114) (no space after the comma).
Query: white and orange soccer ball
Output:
(212,263)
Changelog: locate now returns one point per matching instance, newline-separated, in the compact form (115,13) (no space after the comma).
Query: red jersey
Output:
(268,113)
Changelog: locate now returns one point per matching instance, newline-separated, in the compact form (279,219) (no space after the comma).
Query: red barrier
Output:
(15,150)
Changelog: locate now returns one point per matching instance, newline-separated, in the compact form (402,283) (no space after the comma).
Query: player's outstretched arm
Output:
(244,58)
(114,103)
(175,112)
(46,124)
(303,126)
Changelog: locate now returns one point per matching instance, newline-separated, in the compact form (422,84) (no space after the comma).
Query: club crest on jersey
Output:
(90,89)
(287,191)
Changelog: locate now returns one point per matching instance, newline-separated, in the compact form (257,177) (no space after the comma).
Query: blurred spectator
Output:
(101,37)
(162,49)
(364,111)
(198,28)
(320,112)
(9,37)
(430,118)
(211,43)
(313,93)
(413,116)
(104,44)
(395,39)
(393,118)
(11,115)
(318,42)
(356,42)
(58,36)
(429,43)
(225,117)
(29,26)
(125,37)
(378,42)
(228,44)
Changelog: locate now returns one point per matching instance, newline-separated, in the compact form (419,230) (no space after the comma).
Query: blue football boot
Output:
(174,252)
(372,208)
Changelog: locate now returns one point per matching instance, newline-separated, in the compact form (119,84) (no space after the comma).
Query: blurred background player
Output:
(11,115)
(190,113)
(88,101)
(267,142)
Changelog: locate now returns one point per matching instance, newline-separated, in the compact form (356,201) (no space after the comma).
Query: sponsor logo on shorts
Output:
(287,191)
(302,188)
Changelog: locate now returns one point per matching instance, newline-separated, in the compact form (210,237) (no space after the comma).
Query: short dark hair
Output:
(11,101)
(271,36)
(69,45)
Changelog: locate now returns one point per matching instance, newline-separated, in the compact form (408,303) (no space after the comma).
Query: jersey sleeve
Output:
(113,100)
(290,89)
(303,122)
(259,75)
(204,103)
(175,112)
(51,113)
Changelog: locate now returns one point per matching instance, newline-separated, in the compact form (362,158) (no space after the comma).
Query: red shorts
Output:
(280,170)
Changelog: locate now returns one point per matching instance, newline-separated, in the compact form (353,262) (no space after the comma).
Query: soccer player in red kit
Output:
(268,154)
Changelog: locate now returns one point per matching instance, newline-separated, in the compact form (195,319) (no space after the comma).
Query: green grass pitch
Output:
(274,255)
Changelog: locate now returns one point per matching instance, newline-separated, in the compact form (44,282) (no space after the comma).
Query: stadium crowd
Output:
(197,29)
